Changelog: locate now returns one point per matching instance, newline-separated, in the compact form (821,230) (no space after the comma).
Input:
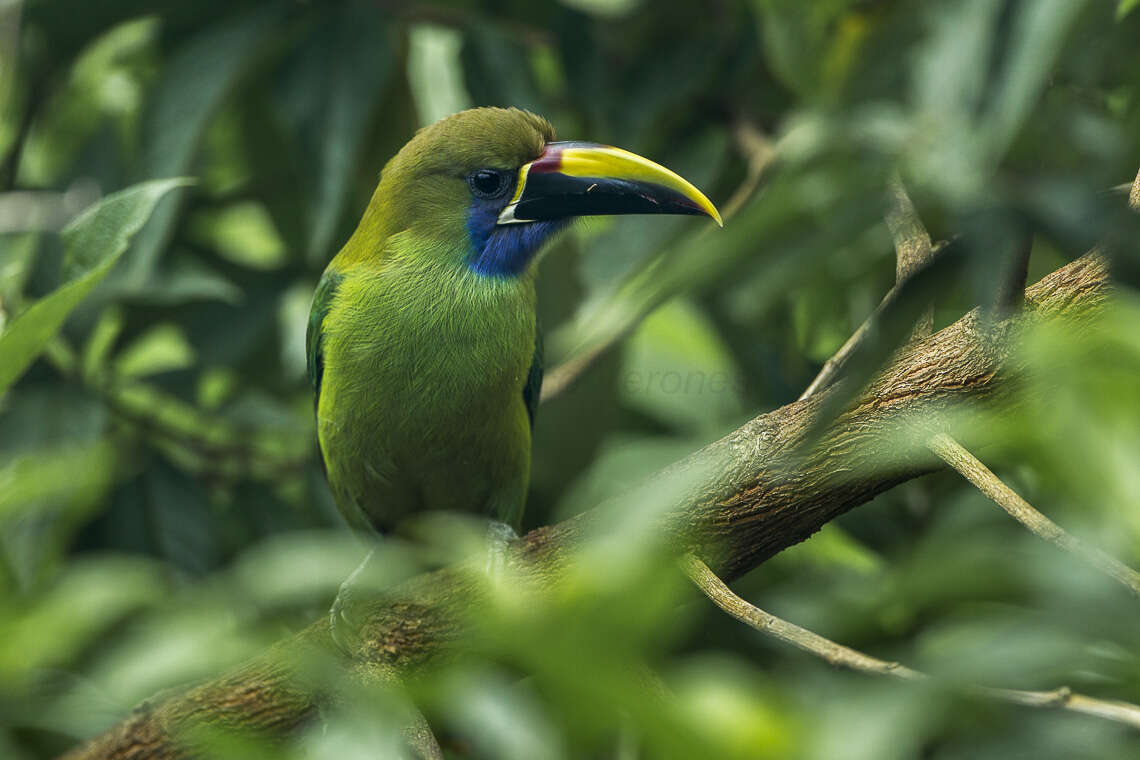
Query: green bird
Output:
(422,344)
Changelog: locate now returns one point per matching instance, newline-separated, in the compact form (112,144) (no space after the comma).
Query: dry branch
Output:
(735,503)
(845,657)
(969,467)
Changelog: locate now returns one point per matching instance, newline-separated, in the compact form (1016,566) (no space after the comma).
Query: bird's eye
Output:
(487,183)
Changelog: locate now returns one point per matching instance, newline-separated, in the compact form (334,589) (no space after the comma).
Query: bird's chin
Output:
(510,248)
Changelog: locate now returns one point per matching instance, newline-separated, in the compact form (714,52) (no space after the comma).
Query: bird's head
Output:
(496,181)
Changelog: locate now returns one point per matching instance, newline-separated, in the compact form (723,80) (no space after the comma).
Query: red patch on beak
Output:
(550,161)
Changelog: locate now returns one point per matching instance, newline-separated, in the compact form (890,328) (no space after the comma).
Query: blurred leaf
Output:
(63,619)
(9,55)
(215,386)
(17,255)
(809,46)
(1124,7)
(103,89)
(974,91)
(300,568)
(604,8)
(1082,425)
(94,241)
(434,72)
(162,348)
(187,280)
(501,718)
(330,97)
(49,415)
(101,341)
(242,233)
(497,69)
(833,548)
(621,462)
(74,477)
(194,82)
(293,314)
(184,527)
(679,370)
(731,701)
(1038,35)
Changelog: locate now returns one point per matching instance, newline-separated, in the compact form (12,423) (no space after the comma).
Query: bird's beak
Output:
(587,179)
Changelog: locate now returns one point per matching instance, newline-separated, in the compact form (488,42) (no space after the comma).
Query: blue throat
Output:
(504,251)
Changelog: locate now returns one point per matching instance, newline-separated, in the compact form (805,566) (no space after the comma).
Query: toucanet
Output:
(422,343)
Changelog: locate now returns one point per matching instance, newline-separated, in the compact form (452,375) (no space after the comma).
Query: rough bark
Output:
(736,503)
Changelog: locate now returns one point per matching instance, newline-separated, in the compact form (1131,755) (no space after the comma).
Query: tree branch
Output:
(734,503)
(967,465)
(845,657)
(912,243)
(1134,194)
(831,652)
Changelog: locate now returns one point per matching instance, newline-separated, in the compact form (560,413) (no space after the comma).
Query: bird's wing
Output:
(322,301)
(533,388)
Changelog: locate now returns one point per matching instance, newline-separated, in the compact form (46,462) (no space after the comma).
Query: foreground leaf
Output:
(94,241)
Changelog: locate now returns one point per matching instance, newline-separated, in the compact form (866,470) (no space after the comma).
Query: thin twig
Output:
(967,465)
(913,250)
(801,638)
(841,656)
(758,152)
(561,377)
(831,368)
(912,243)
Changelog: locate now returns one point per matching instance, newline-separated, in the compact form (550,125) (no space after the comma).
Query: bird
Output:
(422,343)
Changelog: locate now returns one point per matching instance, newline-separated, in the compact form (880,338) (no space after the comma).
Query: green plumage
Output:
(427,373)
(422,343)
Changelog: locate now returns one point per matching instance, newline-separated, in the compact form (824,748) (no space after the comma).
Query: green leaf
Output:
(497,69)
(435,72)
(679,371)
(810,47)
(74,477)
(94,242)
(242,233)
(58,623)
(1124,7)
(332,93)
(162,348)
(195,82)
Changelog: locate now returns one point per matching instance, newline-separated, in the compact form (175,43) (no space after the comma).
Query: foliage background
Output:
(163,512)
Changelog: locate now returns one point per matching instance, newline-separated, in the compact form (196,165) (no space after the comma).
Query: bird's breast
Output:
(423,357)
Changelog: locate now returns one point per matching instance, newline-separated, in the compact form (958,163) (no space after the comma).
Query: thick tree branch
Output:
(913,250)
(735,503)
(845,657)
